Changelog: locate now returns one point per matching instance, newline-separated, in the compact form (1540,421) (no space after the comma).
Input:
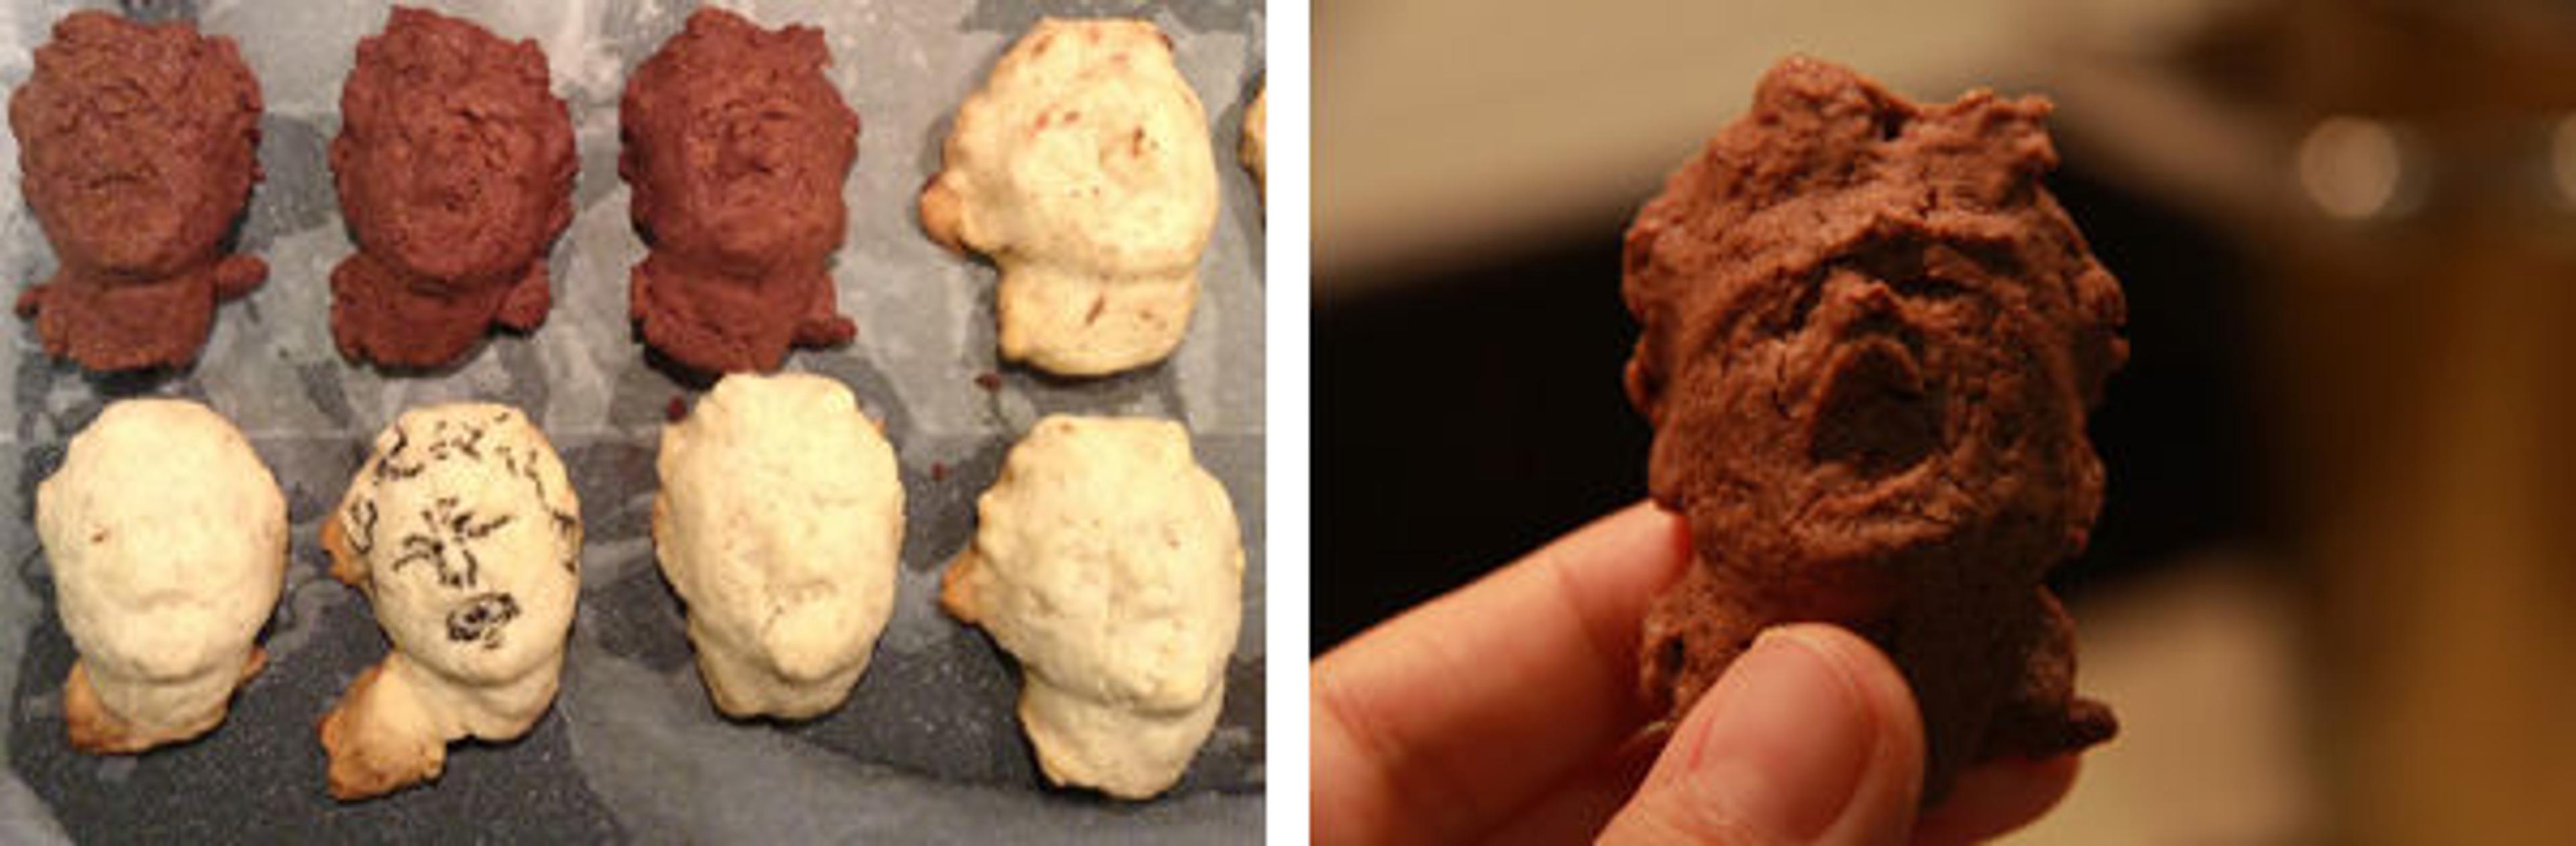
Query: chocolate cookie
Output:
(137,148)
(1870,340)
(455,167)
(736,147)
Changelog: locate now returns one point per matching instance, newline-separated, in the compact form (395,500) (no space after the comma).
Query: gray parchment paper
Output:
(928,749)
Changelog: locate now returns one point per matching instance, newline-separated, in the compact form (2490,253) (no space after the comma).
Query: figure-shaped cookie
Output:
(1110,563)
(736,146)
(455,168)
(1255,150)
(137,148)
(780,523)
(1084,169)
(167,538)
(463,531)
(1870,340)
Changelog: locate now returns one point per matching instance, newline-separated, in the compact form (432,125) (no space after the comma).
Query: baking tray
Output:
(928,749)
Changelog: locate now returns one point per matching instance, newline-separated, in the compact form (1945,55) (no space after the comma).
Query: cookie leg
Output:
(379,738)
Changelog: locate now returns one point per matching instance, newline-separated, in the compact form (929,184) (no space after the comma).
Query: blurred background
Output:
(2330,594)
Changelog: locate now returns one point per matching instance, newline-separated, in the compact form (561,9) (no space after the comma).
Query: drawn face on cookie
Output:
(472,549)
(748,163)
(124,156)
(452,151)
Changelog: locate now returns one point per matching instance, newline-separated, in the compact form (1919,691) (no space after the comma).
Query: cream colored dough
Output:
(167,539)
(463,531)
(1110,563)
(780,523)
(1084,169)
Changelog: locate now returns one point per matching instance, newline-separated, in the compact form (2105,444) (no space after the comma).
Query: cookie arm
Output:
(526,306)
(822,323)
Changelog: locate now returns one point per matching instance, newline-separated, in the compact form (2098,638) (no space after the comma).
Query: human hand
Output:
(1508,711)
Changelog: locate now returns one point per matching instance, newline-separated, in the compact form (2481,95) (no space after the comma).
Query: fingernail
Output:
(1788,739)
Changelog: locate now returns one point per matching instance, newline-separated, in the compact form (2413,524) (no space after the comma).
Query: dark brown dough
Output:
(137,148)
(1870,340)
(455,167)
(736,147)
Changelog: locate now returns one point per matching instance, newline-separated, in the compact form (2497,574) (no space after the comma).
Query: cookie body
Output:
(137,149)
(464,533)
(1083,169)
(1111,565)
(454,165)
(780,523)
(1870,341)
(736,147)
(167,539)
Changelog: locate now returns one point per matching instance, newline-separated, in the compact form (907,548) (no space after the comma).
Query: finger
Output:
(1996,797)
(1810,737)
(1437,724)
(1575,809)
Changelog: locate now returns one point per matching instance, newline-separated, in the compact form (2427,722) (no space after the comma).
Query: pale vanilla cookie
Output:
(463,531)
(1109,562)
(1084,169)
(780,523)
(167,538)
(1255,150)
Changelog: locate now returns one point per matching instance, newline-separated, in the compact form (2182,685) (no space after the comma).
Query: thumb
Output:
(1810,737)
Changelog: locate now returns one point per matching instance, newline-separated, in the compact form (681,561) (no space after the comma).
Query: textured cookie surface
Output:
(167,540)
(454,165)
(1870,340)
(1083,169)
(137,148)
(780,523)
(1111,565)
(463,531)
(736,147)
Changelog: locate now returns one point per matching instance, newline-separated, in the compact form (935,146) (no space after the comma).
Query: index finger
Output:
(1436,725)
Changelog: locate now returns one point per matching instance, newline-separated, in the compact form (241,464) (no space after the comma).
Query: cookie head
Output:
(1869,329)
(138,143)
(780,524)
(1110,563)
(167,540)
(753,142)
(453,156)
(471,540)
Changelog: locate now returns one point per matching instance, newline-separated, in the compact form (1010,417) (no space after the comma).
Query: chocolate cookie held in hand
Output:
(138,146)
(1870,340)
(737,146)
(455,167)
